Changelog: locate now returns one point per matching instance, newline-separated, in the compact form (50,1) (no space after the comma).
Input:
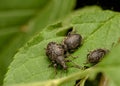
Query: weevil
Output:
(72,42)
(56,54)
(96,55)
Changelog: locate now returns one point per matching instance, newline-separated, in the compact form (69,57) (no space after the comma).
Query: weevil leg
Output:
(53,62)
(50,64)
(63,41)
(75,65)
(78,66)
(74,57)
(69,55)
(55,66)
(67,60)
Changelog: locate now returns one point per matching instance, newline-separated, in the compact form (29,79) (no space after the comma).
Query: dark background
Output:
(105,4)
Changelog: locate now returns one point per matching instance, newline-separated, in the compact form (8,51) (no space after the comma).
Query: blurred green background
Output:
(22,19)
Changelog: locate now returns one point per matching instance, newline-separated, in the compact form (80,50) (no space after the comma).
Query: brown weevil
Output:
(56,54)
(96,55)
(72,42)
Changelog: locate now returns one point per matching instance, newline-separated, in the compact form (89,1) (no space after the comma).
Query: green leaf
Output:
(21,19)
(111,65)
(107,66)
(99,29)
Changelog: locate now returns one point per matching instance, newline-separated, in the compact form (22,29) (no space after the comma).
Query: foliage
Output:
(99,29)
(21,19)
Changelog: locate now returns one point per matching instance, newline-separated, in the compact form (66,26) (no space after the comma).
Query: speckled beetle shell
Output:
(72,42)
(96,55)
(56,54)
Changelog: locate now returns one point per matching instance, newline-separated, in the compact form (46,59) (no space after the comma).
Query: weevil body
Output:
(96,55)
(56,54)
(72,42)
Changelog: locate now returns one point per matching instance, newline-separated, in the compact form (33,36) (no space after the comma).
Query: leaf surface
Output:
(99,29)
